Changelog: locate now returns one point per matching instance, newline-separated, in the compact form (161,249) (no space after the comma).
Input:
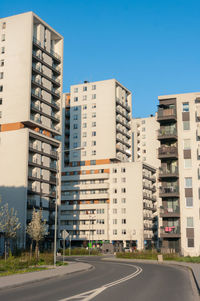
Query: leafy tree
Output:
(36,229)
(9,224)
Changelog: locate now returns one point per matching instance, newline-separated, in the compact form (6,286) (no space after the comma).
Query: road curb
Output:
(91,267)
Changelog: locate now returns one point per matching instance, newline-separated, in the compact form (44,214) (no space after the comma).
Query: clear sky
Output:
(151,46)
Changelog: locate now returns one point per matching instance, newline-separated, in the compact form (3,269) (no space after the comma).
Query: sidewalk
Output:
(194,267)
(20,279)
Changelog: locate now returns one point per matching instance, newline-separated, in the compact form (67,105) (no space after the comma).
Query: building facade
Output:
(179,153)
(31,56)
(105,196)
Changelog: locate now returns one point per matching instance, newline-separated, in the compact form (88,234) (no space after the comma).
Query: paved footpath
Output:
(194,267)
(20,279)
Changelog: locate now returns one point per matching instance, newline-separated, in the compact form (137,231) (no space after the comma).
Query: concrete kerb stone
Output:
(32,277)
(193,267)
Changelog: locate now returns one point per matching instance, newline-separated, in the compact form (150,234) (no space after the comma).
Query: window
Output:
(84,125)
(185,107)
(114,180)
(114,210)
(114,201)
(123,210)
(74,164)
(85,107)
(114,221)
(93,153)
(123,170)
(75,135)
(114,231)
(114,190)
(75,126)
(93,114)
(93,133)
(188,182)
(84,143)
(0,114)
(84,134)
(84,153)
(75,117)
(114,170)
(75,108)
(123,231)
(186,144)
(93,87)
(93,105)
(93,124)
(123,221)
(75,154)
(92,162)
(85,116)
(187,163)
(84,97)
(123,180)
(75,98)
(123,200)
(93,143)
(4,25)
(189,202)
(2,50)
(3,37)
(190,242)
(1,63)
(75,90)
(75,144)
(93,96)
(84,88)
(1,100)
(186,125)
(1,88)
(190,222)
(1,75)
(123,190)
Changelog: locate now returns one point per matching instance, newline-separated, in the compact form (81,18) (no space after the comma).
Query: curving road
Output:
(110,281)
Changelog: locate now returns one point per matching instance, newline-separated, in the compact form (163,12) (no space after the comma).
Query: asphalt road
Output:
(110,281)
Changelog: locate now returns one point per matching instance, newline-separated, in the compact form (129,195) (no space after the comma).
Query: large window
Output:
(187,163)
(185,107)
(190,222)
(186,125)
(188,182)
(186,144)
(189,202)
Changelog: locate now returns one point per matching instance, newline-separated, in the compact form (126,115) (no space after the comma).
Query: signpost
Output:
(65,234)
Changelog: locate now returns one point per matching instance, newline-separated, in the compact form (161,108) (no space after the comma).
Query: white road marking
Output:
(89,295)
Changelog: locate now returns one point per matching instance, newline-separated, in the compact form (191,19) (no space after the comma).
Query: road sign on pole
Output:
(65,234)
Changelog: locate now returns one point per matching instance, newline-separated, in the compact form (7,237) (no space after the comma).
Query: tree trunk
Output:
(37,250)
(5,249)
(31,249)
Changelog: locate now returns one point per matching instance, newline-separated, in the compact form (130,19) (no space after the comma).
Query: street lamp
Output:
(56,204)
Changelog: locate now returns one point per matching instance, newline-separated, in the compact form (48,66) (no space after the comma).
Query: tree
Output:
(9,224)
(36,229)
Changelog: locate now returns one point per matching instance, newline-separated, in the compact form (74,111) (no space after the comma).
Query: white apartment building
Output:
(179,152)
(145,142)
(103,194)
(31,56)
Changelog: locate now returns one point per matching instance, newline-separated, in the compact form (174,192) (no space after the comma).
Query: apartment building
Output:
(145,142)
(31,56)
(179,153)
(103,194)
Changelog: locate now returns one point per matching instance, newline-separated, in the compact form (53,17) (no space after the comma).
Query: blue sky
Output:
(151,47)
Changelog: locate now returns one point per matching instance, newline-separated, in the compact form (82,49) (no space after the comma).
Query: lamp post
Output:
(56,204)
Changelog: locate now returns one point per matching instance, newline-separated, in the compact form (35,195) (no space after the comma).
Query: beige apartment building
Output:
(179,152)
(31,56)
(105,196)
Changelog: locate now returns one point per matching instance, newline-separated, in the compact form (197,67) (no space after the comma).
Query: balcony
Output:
(125,152)
(166,114)
(123,132)
(39,84)
(170,232)
(165,134)
(125,115)
(35,148)
(122,122)
(123,104)
(168,173)
(52,53)
(149,177)
(172,191)
(146,196)
(53,79)
(38,95)
(39,58)
(121,140)
(166,152)
(149,207)
(169,212)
